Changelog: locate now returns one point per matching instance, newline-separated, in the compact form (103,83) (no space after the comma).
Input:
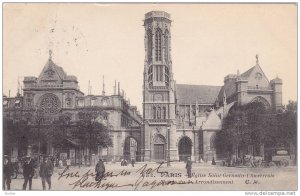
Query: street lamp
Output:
(194,133)
(38,119)
(168,156)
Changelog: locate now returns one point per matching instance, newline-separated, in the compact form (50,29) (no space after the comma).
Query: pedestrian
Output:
(68,163)
(28,172)
(7,172)
(251,161)
(189,167)
(213,162)
(60,164)
(46,171)
(100,170)
(132,162)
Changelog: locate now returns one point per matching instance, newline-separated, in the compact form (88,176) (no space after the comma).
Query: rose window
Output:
(50,104)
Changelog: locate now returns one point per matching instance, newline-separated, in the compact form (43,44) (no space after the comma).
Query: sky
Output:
(209,41)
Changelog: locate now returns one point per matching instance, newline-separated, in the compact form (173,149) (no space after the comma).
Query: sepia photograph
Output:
(149,97)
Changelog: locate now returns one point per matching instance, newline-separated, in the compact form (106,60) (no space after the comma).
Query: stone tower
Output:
(158,89)
(276,85)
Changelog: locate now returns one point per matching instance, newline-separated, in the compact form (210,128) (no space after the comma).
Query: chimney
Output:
(115,88)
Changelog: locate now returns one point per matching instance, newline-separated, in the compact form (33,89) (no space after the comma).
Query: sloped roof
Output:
(57,69)
(247,73)
(189,94)
(213,122)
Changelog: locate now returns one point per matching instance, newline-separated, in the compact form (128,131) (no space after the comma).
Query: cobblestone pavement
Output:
(152,176)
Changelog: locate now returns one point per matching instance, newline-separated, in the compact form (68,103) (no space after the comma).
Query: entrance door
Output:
(184,148)
(159,151)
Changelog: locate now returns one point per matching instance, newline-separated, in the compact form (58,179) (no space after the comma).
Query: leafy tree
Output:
(15,133)
(292,106)
(91,131)
(243,126)
(59,131)
(252,124)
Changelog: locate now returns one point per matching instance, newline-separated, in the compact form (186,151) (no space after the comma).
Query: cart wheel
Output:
(284,162)
(15,174)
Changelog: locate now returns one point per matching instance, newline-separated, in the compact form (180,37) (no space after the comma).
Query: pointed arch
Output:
(167,45)
(184,148)
(158,44)
(149,44)
(262,100)
(154,112)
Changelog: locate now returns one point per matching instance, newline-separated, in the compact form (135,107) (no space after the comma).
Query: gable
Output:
(257,77)
(213,122)
(51,73)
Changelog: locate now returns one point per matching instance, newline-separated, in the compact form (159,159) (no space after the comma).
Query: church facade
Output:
(181,120)
(54,93)
(178,121)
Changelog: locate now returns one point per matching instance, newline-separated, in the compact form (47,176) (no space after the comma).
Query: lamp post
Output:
(168,156)
(38,120)
(194,133)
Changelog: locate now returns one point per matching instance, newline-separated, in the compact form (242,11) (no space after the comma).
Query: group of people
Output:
(45,172)
(124,162)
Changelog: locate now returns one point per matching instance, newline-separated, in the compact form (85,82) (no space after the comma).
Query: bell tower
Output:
(158,88)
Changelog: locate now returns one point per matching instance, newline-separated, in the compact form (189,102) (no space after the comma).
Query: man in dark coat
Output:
(7,172)
(28,172)
(189,167)
(100,170)
(132,162)
(46,171)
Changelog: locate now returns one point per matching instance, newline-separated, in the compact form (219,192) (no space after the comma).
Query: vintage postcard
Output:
(149,97)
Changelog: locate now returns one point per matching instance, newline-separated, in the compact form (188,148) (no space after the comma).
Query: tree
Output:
(15,133)
(59,131)
(243,126)
(91,131)
(291,106)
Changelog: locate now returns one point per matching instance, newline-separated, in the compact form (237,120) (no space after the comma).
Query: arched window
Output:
(164,113)
(158,113)
(166,75)
(158,45)
(150,75)
(159,73)
(149,49)
(154,112)
(166,45)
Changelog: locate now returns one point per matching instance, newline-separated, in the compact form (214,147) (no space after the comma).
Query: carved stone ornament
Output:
(159,139)
(49,73)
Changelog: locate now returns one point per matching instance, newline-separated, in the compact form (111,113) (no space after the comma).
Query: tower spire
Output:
(257,61)
(103,87)
(89,88)
(18,93)
(50,54)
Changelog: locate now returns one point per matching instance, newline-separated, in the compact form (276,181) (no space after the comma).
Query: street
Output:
(154,176)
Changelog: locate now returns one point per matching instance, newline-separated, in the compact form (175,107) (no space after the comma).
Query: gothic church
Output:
(181,120)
